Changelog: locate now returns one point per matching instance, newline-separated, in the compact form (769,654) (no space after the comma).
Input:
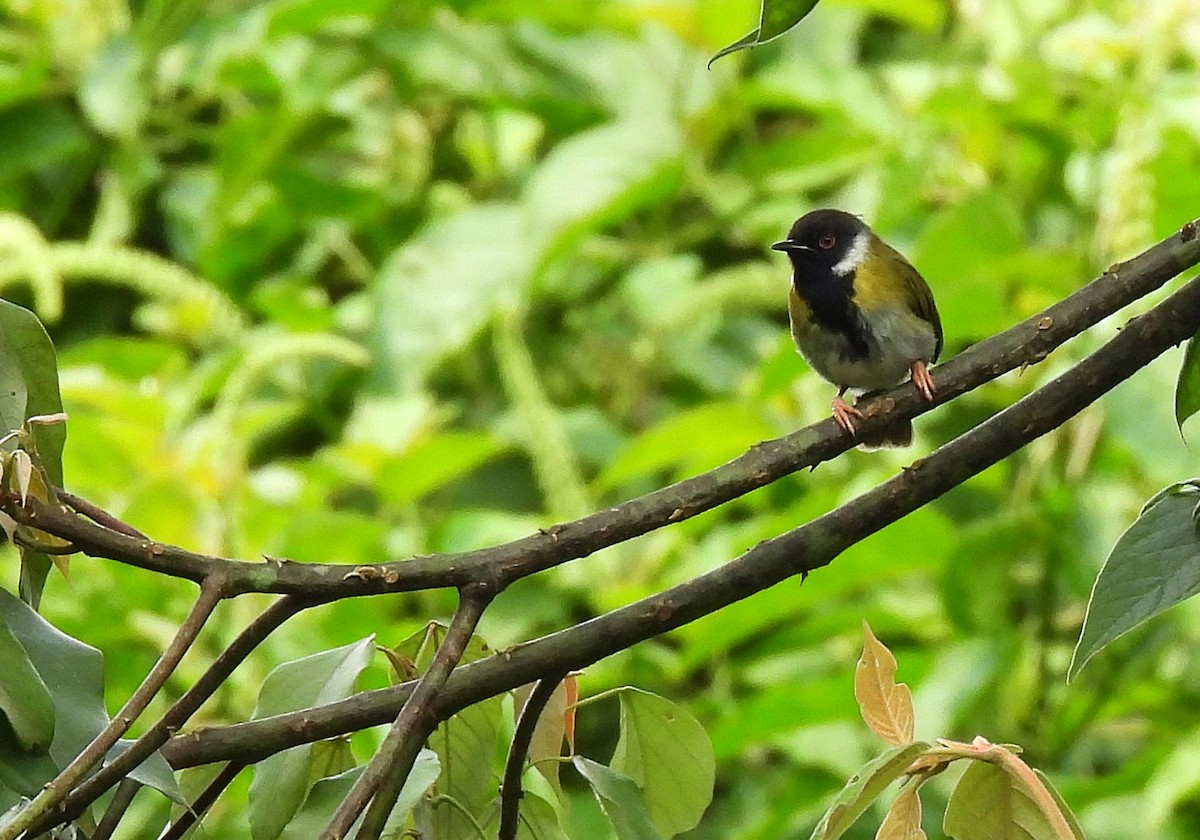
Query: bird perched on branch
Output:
(861,315)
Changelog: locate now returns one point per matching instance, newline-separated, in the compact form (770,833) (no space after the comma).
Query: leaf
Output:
(111,94)
(282,781)
(668,755)
(1063,807)
(73,674)
(864,788)
(1187,388)
(1154,565)
(989,803)
(24,698)
(620,799)
(886,706)
(903,820)
(322,801)
(776,18)
(433,463)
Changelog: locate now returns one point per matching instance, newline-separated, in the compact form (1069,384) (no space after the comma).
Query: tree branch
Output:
(514,764)
(1022,345)
(211,593)
(381,781)
(803,549)
(197,810)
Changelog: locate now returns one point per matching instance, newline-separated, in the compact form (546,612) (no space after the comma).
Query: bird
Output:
(860,314)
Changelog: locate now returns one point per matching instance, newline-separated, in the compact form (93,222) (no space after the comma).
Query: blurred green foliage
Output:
(439,273)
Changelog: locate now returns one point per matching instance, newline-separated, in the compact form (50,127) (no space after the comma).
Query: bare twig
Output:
(511,790)
(116,809)
(381,781)
(211,593)
(203,802)
(97,514)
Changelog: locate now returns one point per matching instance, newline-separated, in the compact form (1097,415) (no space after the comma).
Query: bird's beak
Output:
(788,245)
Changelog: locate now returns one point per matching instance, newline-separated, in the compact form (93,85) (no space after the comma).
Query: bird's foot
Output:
(923,380)
(844,414)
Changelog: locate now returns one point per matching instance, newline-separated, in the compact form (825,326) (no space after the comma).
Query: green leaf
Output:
(1154,565)
(1076,828)
(1187,388)
(432,463)
(282,781)
(989,804)
(111,94)
(776,18)
(620,799)
(864,788)
(73,673)
(537,820)
(29,387)
(436,292)
(668,755)
(322,801)
(24,698)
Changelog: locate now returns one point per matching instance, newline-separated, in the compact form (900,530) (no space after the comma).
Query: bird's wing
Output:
(919,298)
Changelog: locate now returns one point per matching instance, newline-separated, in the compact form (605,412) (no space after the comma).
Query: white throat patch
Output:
(854,256)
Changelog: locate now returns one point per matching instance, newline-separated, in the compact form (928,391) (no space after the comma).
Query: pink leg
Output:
(844,414)
(922,379)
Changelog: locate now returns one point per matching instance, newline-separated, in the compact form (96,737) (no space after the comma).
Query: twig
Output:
(1020,346)
(804,549)
(211,593)
(514,765)
(116,809)
(179,713)
(97,514)
(203,802)
(381,781)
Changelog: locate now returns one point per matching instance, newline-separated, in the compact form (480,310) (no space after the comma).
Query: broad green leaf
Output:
(776,18)
(433,463)
(24,698)
(620,799)
(440,287)
(1154,565)
(322,801)
(689,441)
(668,755)
(282,781)
(988,803)
(29,387)
(864,788)
(73,673)
(1187,388)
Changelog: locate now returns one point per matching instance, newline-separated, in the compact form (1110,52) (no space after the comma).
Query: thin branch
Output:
(381,781)
(179,713)
(801,550)
(514,765)
(203,802)
(211,593)
(116,809)
(97,514)
(1022,345)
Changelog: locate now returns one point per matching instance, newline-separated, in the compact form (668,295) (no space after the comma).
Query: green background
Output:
(443,273)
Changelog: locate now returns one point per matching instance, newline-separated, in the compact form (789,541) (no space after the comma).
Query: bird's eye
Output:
(827,241)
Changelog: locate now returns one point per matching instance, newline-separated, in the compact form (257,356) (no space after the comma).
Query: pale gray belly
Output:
(895,341)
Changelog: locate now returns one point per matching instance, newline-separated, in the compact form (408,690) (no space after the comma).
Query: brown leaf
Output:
(885,705)
(903,820)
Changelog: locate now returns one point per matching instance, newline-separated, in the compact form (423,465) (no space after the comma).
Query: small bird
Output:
(861,315)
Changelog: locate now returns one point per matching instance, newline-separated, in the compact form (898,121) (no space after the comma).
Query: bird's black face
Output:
(825,244)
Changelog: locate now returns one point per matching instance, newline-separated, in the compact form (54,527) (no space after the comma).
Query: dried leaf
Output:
(903,820)
(571,684)
(22,466)
(886,706)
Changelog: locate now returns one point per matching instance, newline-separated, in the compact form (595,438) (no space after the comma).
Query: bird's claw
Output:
(844,414)
(923,380)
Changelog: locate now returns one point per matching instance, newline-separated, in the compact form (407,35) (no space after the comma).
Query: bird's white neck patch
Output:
(854,256)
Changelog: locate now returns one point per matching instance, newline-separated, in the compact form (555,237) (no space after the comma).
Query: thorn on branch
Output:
(1188,232)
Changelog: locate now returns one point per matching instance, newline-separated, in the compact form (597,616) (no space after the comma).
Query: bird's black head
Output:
(826,243)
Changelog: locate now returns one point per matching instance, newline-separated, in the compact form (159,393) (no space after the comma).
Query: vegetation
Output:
(346,281)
